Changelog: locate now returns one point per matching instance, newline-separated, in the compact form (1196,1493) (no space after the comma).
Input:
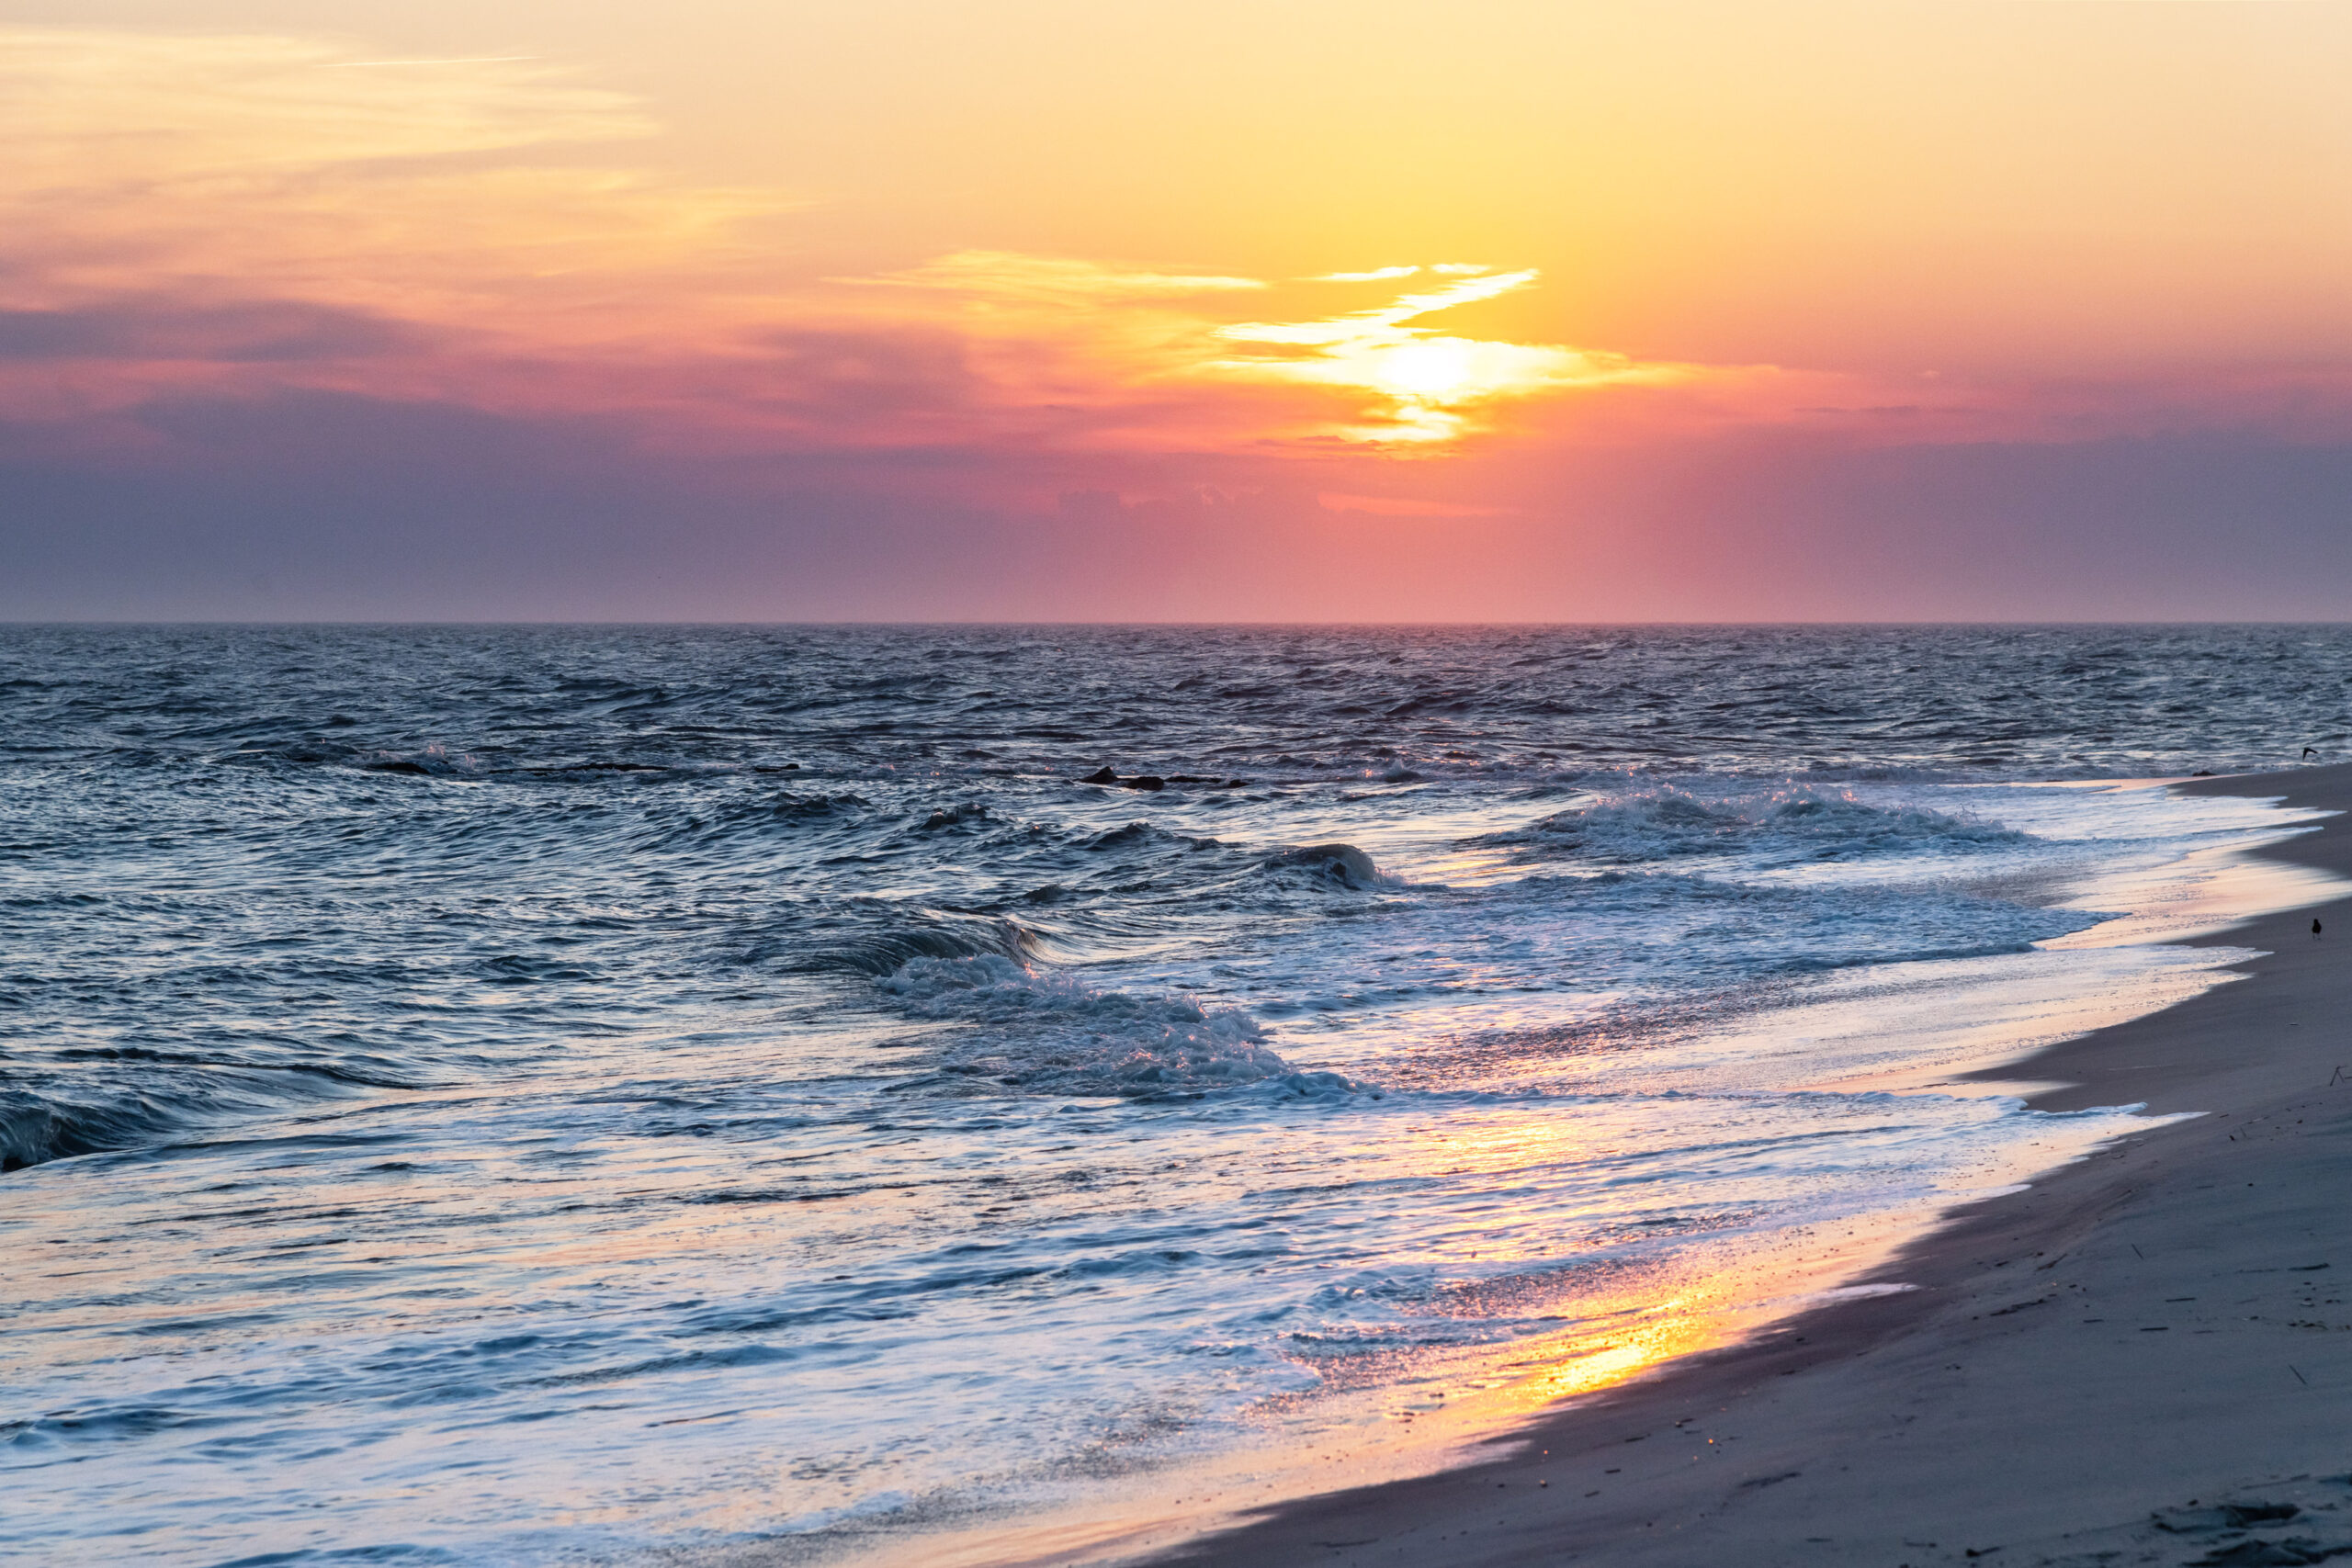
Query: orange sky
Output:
(1419,261)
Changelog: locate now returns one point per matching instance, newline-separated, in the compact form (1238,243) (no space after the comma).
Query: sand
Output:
(2144,1357)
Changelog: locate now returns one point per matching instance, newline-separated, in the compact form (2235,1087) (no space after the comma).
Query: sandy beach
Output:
(2144,1357)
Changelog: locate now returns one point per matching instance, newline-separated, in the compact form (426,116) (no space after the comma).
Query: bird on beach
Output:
(2314,929)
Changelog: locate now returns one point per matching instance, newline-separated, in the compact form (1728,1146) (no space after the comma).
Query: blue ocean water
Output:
(551,1094)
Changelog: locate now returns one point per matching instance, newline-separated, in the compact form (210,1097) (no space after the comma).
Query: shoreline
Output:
(2127,1335)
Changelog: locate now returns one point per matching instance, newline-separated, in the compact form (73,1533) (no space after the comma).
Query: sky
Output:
(912,310)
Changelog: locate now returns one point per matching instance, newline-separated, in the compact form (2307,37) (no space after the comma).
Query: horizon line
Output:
(14,623)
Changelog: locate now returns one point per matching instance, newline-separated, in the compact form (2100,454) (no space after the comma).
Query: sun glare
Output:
(1438,369)
(1417,388)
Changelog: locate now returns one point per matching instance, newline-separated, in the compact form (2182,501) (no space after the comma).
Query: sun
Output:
(1409,385)
(1435,370)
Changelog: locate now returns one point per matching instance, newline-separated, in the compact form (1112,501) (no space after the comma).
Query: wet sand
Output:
(2145,1356)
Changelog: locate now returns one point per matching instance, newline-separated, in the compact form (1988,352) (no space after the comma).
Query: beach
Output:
(2142,1357)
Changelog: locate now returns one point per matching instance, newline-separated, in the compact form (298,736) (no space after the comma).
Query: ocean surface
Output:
(583,1094)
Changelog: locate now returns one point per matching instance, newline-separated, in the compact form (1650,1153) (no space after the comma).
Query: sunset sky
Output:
(1641,310)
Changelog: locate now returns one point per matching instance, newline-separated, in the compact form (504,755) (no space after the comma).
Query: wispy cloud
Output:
(445,60)
(89,109)
(1050,280)
(214,180)
(1152,359)
(1415,385)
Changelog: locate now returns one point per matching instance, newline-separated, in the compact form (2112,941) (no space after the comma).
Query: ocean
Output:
(532,1095)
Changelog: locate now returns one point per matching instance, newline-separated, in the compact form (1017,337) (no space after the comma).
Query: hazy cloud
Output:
(253,334)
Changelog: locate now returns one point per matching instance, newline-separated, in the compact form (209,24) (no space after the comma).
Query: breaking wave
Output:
(1798,822)
(1050,1033)
(40,1123)
(938,938)
(1342,864)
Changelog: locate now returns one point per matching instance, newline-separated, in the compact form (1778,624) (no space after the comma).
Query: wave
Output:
(762,819)
(1342,864)
(932,938)
(1144,835)
(39,1125)
(429,761)
(787,805)
(1802,821)
(1050,1033)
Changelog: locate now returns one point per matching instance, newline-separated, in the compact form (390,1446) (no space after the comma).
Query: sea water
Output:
(536,1095)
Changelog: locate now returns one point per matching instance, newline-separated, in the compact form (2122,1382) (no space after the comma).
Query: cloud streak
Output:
(1415,385)
(217,180)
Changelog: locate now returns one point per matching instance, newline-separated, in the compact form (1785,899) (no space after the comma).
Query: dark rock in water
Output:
(2202,774)
(595,768)
(1148,781)
(399,766)
(777,767)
